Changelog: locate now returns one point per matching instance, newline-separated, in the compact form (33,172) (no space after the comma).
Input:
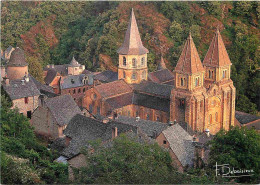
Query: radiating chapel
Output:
(198,94)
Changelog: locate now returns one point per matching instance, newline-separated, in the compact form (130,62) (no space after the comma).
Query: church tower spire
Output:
(189,71)
(161,64)
(132,55)
(216,61)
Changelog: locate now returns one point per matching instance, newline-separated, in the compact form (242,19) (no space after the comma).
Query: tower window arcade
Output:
(124,61)
(134,62)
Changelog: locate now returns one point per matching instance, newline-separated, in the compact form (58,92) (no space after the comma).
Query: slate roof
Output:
(161,76)
(51,74)
(150,128)
(74,62)
(41,87)
(181,144)
(73,81)
(132,44)
(106,76)
(152,88)
(63,108)
(189,61)
(17,58)
(119,101)
(254,124)
(153,102)
(16,90)
(245,118)
(113,88)
(217,54)
(82,129)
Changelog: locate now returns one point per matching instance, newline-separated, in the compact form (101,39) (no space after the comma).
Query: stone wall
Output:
(23,107)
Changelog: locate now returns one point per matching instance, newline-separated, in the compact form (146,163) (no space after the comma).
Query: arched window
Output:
(182,84)
(74,91)
(134,76)
(196,82)
(124,61)
(79,90)
(123,74)
(134,62)
(212,74)
(84,89)
(210,118)
(201,105)
(143,61)
(143,74)
(209,74)
(216,117)
(223,76)
(147,117)
(215,92)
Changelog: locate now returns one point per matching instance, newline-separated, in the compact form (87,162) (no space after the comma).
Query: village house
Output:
(53,115)
(202,95)
(21,87)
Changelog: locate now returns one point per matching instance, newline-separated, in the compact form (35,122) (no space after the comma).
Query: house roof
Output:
(106,76)
(153,102)
(51,74)
(17,58)
(119,101)
(74,63)
(17,90)
(254,124)
(245,118)
(150,128)
(189,61)
(82,129)
(132,44)
(41,87)
(217,54)
(73,81)
(152,88)
(113,88)
(161,76)
(181,144)
(161,64)
(63,108)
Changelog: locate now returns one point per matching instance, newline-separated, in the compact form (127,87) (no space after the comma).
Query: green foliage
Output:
(213,7)
(35,68)
(18,140)
(240,148)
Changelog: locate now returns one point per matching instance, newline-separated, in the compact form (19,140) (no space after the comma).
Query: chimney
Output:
(105,120)
(6,81)
(22,82)
(207,132)
(137,118)
(26,78)
(114,133)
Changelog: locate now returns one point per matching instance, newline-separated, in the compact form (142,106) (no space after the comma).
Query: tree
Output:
(35,68)
(240,148)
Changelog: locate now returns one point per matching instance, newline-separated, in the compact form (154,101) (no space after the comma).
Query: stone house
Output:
(53,114)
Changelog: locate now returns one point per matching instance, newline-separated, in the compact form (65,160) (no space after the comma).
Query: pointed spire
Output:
(161,65)
(132,44)
(189,61)
(74,62)
(217,54)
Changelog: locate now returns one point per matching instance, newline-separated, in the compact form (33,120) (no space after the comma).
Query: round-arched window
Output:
(143,61)
(124,61)
(134,62)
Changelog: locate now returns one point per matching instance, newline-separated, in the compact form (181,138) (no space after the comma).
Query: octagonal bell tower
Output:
(132,55)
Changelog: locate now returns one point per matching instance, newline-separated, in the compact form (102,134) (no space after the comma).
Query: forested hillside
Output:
(52,32)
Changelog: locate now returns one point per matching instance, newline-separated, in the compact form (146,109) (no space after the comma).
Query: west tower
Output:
(132,55)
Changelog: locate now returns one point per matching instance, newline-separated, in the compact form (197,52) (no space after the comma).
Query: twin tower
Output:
(203,95)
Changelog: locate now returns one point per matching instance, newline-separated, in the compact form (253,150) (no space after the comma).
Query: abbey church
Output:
(198,94)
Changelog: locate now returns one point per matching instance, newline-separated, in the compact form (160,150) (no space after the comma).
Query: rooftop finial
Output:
(190,35)
(218,28)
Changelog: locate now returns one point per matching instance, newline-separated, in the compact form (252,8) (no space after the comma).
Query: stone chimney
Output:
(26,78)
(207,132)
(23,82)
(6,81)
(137,118)
(114,133)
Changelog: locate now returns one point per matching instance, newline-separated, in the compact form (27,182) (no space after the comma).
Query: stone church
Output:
(200,95)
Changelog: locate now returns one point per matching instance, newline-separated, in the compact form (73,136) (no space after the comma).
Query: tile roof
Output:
(73,81)
(63,108)
(119,101)
(17,58)
(82,129)
(155,89)
(16,90)
(150,128)
(132,44)
(217,54)
(153,102)
(74,63)
(106,76)
(189,61)
(161,76)
(161,64)
(113,88)
(181,144)
(245,118)
(51,74)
